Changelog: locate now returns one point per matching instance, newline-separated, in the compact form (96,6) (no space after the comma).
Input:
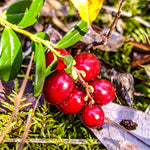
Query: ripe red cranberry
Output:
(89,63)
(103,91)
(58,87)
(74,103)
(93,116)
(50,58)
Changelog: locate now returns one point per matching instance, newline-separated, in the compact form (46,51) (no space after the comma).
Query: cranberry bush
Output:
(67,82)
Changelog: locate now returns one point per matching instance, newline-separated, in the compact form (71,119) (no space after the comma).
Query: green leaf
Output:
(16,11)
(42,35)
(24,13)
(11,55)
(40,69)
(68,60)
(31,15)
(74,35)
(51,68)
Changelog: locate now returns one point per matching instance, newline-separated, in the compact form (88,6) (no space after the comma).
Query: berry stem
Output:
(33,37)
(84,84)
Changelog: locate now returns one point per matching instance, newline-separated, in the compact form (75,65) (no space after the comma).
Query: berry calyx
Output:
(103,91)
(93,116)
(89,63)
(50,58)
(58,87)
(74,103)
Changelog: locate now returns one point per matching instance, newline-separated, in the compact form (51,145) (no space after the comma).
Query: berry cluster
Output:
(69,97)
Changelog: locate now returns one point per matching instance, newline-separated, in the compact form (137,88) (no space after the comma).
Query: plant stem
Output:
(28,124)
(84,84)
(18,99)
(33,37)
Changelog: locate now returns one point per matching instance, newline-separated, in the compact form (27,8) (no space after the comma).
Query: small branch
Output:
(46,141)
(126,14)
(116,19)
(18,98)
(105,38)
(83,83)
(33,37)
(28,124)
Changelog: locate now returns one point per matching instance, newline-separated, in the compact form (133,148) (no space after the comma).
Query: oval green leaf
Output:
(24,13)
(31,15)
(68,60)
(15,12)
(11,55)
(73,35)
(42,35)
(52,67)
(40,69)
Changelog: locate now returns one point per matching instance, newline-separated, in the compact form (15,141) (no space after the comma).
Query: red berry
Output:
(50,58)
(93,116)
(58,87)
(74,103)
(103,91)
(89,63)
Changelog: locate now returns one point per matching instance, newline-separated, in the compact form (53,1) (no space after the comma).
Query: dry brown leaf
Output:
(147,69)
(111,135)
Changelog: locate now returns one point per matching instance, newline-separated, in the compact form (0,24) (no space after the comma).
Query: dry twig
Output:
(18,99)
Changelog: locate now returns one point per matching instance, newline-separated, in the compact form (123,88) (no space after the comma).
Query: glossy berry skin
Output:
(58,87)
(74,103)
(93,116)
(103,91)
(50,58)
(89,63)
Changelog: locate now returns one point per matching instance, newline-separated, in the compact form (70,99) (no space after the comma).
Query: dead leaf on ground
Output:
(7,87)
(123,82)
(141,60)
(124,87)
(147,69)
(111,135)
(114,43)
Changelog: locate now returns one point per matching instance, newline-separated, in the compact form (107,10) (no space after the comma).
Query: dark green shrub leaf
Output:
(16,11)
(52,67)
(11,55)
(40,69)
(68,60)
(42,35)
(74,35)
(24,13)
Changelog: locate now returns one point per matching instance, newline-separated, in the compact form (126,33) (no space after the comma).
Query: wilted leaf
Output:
(123,82)
(140,47)
(147,69)
(141,60)
(88,9)
(111,135)
(114,43)
(124,86)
